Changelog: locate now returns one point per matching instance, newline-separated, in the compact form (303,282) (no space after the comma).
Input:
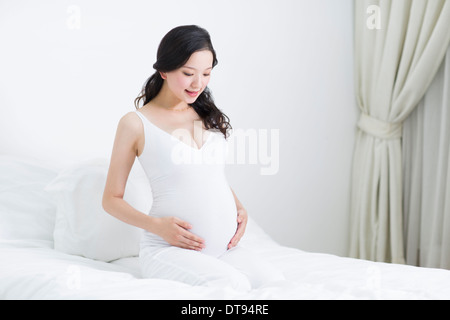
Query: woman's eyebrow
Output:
(195,68)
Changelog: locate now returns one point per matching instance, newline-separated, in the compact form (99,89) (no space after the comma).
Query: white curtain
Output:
(399,45)
(426,154)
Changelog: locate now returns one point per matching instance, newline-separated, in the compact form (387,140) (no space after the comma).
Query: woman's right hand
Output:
(175,232)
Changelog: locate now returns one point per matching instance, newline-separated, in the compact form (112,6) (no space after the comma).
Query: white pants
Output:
(239,268)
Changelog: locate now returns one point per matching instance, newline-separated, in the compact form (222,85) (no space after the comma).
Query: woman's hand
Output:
(242,218)
(175,232)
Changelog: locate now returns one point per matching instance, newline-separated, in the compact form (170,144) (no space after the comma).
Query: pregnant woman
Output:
(196,221)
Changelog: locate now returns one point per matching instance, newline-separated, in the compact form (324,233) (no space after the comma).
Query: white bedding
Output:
(30,267)
(43,273)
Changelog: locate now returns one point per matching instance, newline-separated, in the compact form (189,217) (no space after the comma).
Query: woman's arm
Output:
(129,136)
(238,203)
(242,218)
(122,159)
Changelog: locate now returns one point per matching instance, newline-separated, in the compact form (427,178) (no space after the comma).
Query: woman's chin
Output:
(190,101)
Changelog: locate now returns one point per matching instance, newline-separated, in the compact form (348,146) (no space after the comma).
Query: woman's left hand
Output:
(242,218)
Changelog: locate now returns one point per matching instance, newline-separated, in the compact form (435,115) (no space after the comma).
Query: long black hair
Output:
(174,51)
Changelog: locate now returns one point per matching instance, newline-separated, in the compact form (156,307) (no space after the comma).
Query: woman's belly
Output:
(211,210)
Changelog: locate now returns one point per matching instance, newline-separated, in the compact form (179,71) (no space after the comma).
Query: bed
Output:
(56,242)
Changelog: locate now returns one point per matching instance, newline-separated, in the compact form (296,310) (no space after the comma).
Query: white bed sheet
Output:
(39,272)
(30,268)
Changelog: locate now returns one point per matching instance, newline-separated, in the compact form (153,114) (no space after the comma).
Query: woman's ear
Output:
(163,75)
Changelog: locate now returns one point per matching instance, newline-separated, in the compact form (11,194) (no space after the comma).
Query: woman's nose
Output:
(196,83)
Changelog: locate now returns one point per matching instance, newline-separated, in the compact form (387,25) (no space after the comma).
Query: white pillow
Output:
(82,227)
(26,211)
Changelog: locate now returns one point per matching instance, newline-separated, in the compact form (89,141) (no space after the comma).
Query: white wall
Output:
(70,69)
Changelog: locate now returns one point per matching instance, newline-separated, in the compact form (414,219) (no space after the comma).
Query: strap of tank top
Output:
(140,115)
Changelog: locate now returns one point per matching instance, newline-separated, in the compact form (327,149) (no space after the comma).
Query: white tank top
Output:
(189,184)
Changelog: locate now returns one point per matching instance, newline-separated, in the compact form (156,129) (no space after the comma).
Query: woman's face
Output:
(189,81)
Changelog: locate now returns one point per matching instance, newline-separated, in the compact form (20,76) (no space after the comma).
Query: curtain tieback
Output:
(378,128)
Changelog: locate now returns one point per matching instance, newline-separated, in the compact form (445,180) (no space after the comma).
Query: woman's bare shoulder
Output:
(130,124)
(130,120)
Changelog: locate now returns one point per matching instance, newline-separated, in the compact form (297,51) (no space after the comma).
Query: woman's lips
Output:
(192,93)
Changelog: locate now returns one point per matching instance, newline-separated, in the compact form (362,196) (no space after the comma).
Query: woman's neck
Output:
(167,100)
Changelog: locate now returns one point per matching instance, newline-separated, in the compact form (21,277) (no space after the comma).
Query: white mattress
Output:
(30,267)
(42,273)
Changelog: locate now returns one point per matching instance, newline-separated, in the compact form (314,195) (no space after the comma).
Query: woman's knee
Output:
(255,268)
(193,268)
(230,279)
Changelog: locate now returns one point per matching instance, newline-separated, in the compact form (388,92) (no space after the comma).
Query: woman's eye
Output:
(191,74)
